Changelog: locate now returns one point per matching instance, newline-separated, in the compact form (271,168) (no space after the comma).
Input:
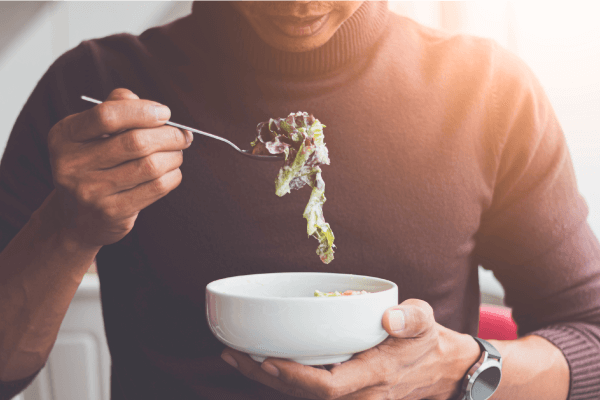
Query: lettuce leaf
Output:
(300,138)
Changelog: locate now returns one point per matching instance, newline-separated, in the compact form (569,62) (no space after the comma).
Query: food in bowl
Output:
(318,293)
(300,138)
(277,315)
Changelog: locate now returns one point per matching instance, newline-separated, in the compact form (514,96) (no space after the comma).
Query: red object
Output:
(496,323)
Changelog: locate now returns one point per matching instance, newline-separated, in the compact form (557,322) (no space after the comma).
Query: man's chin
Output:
(295,44)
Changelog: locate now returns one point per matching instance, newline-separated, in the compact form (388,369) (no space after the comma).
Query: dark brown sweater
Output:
(445,155)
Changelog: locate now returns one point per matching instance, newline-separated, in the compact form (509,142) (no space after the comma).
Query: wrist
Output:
(51,224)
(49,227)
(461,352)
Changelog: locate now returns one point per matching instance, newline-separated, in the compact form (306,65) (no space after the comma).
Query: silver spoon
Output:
(247,153)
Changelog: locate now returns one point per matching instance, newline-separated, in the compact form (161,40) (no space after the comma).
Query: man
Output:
(445,154)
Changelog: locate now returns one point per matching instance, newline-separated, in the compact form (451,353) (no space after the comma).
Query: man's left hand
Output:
(420,359)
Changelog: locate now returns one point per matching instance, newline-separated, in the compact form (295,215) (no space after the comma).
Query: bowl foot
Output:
(320,360)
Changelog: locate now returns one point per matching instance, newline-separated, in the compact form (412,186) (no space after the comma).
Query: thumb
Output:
(122,94)
(412,318)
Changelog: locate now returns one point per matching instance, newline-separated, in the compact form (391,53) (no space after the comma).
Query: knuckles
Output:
(106,117)
(121,94)
(427,309)
(421,318)
(172,137)
(422,305)
(161,185)
(104,209)
(65,174)
(174,180)
(149,167)
(142,142)
(111,116)
(158,164)
(178,158)
(86,188)
(177,136)
(135,142)
(85,195)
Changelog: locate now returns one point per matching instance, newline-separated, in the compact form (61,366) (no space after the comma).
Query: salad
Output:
(300,138)
(336,293)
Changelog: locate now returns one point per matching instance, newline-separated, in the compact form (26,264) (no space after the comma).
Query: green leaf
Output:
(306,151)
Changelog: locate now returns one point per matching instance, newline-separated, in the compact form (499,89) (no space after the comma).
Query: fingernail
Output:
(229,360)
(189,137)
(270,369)
(397,321)
(162,112)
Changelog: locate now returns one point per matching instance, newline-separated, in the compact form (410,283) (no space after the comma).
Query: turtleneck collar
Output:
(226,32)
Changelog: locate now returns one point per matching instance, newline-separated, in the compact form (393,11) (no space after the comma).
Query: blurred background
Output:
(559,40)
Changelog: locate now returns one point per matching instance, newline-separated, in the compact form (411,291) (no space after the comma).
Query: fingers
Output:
(369,374)
(131,201)
(136,143)
(121,111)
(251,369)
(120,94)
(304,381)
(413,318)
(110,162)
(134,173)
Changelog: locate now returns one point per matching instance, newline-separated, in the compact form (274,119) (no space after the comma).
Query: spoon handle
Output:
(180,126)
(203,133)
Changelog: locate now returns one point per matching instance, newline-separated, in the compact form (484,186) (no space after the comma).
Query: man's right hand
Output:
(110,162)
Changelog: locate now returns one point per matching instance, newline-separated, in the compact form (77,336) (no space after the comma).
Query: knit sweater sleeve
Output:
(534,235)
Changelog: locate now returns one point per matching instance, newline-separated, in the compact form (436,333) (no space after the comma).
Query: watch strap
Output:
(488,354)
(491,350)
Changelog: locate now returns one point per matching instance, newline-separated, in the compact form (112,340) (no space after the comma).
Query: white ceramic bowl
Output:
(277,315)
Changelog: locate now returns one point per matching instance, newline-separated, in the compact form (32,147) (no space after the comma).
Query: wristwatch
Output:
(483,377)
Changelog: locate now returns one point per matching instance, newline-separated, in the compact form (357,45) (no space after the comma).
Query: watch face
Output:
(486,383)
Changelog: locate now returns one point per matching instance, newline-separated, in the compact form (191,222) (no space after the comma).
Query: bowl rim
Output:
(211,287)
